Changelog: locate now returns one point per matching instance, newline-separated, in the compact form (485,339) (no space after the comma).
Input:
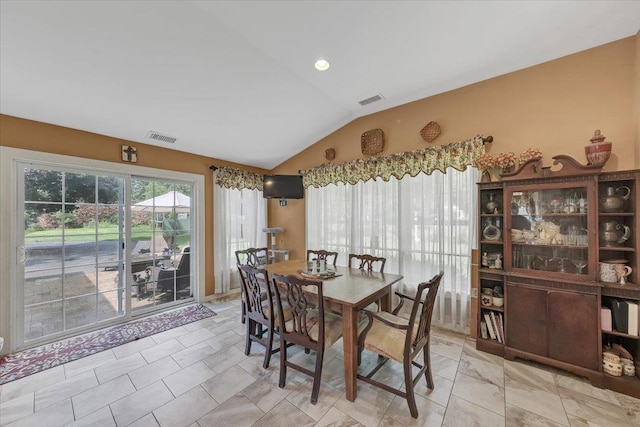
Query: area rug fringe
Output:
(28,362)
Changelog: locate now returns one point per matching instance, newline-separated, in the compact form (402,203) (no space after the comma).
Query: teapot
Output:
(614,199)
(613,233)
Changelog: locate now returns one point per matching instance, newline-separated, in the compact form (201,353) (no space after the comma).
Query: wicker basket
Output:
(430,131)
(372,142)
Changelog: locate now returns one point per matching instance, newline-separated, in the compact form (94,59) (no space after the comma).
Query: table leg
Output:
(349,338)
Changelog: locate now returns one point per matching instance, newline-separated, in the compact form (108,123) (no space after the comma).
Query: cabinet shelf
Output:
(607,214)
(493,308)
(490,270)
(554,215)
(621,334)
(492,242)
(617,248)
(491,215)
(549,245)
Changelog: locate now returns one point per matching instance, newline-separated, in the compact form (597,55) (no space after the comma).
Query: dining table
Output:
(347,292)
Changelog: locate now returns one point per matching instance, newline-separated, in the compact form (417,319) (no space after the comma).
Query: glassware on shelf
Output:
(580,264)
(492,206)
(491,231)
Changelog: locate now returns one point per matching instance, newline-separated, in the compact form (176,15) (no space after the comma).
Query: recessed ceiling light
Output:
(322,65)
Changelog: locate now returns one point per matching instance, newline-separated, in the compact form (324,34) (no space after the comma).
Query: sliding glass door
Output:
(161,228)
(71,235)
(96,248)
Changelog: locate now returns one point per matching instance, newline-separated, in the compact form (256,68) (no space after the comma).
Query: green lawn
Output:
(87,234)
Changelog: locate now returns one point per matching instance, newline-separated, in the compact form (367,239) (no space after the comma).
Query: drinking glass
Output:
(580,264)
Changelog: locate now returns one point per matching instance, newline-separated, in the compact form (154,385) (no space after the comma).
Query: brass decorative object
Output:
(372,142)
(330,153)
(430,132)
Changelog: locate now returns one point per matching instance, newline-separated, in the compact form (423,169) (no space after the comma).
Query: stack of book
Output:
(492,326)
(621,315)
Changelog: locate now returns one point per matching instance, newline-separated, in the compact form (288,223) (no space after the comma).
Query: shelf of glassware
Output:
(550,230)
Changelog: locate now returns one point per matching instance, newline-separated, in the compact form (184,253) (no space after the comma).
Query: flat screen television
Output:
(283,187)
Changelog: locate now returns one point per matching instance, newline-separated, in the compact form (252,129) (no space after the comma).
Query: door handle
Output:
(21,254)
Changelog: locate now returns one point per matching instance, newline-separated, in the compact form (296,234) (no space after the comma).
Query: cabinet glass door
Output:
(550,230)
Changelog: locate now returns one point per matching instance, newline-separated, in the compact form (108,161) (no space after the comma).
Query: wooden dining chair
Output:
(366,262)
(255,257)
(260,315)
(329,258)
(310,326)
(402,340)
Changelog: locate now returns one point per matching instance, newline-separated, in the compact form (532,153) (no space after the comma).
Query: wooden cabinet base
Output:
(595,377)
(490,346)
(624,384)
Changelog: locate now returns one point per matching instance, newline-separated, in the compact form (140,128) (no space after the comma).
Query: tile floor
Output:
(198,375)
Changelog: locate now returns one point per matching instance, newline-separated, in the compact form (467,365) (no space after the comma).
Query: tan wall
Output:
(37,136)
(637,101)
(554,106)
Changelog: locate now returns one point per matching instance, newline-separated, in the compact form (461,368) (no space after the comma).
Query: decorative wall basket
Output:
(372,142)
(330,154)
(430,131)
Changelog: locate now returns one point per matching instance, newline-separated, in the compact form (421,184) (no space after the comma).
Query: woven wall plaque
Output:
(330,153)
(372,142)
(430,131)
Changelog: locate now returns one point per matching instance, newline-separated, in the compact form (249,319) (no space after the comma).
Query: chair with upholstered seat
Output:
(329,257)
(260,316)
(310,326)
(402,340)
(255,257)
(366,262)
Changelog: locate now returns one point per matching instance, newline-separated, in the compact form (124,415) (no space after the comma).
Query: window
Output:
(421,224)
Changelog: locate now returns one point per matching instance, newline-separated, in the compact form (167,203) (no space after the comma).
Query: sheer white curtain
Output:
(239,217)
(421,224)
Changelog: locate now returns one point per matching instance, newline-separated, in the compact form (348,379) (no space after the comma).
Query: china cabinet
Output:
(558,246)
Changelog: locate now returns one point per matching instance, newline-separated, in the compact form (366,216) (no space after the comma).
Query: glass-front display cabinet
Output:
(551,230)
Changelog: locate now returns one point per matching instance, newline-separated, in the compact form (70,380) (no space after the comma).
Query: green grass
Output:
(106,232)
(139,232)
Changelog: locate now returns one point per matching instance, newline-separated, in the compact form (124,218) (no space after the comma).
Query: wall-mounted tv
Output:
(283,187)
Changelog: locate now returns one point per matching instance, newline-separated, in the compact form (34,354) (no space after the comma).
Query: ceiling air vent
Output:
(367,101)
(160,137)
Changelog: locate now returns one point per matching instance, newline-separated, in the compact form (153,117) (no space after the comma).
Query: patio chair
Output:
(172,279)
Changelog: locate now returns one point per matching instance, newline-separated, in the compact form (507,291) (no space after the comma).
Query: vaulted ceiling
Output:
(235,80)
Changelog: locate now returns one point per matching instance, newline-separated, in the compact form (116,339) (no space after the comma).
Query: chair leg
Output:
(283,362)
(247,345)
(267,355)
(408,381)
(426,355)
(317,376)
(244,312)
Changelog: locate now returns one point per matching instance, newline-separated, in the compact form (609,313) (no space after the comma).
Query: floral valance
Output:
(238,179)
(457,155)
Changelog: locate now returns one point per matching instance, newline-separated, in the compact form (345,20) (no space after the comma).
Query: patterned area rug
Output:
(18,365)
